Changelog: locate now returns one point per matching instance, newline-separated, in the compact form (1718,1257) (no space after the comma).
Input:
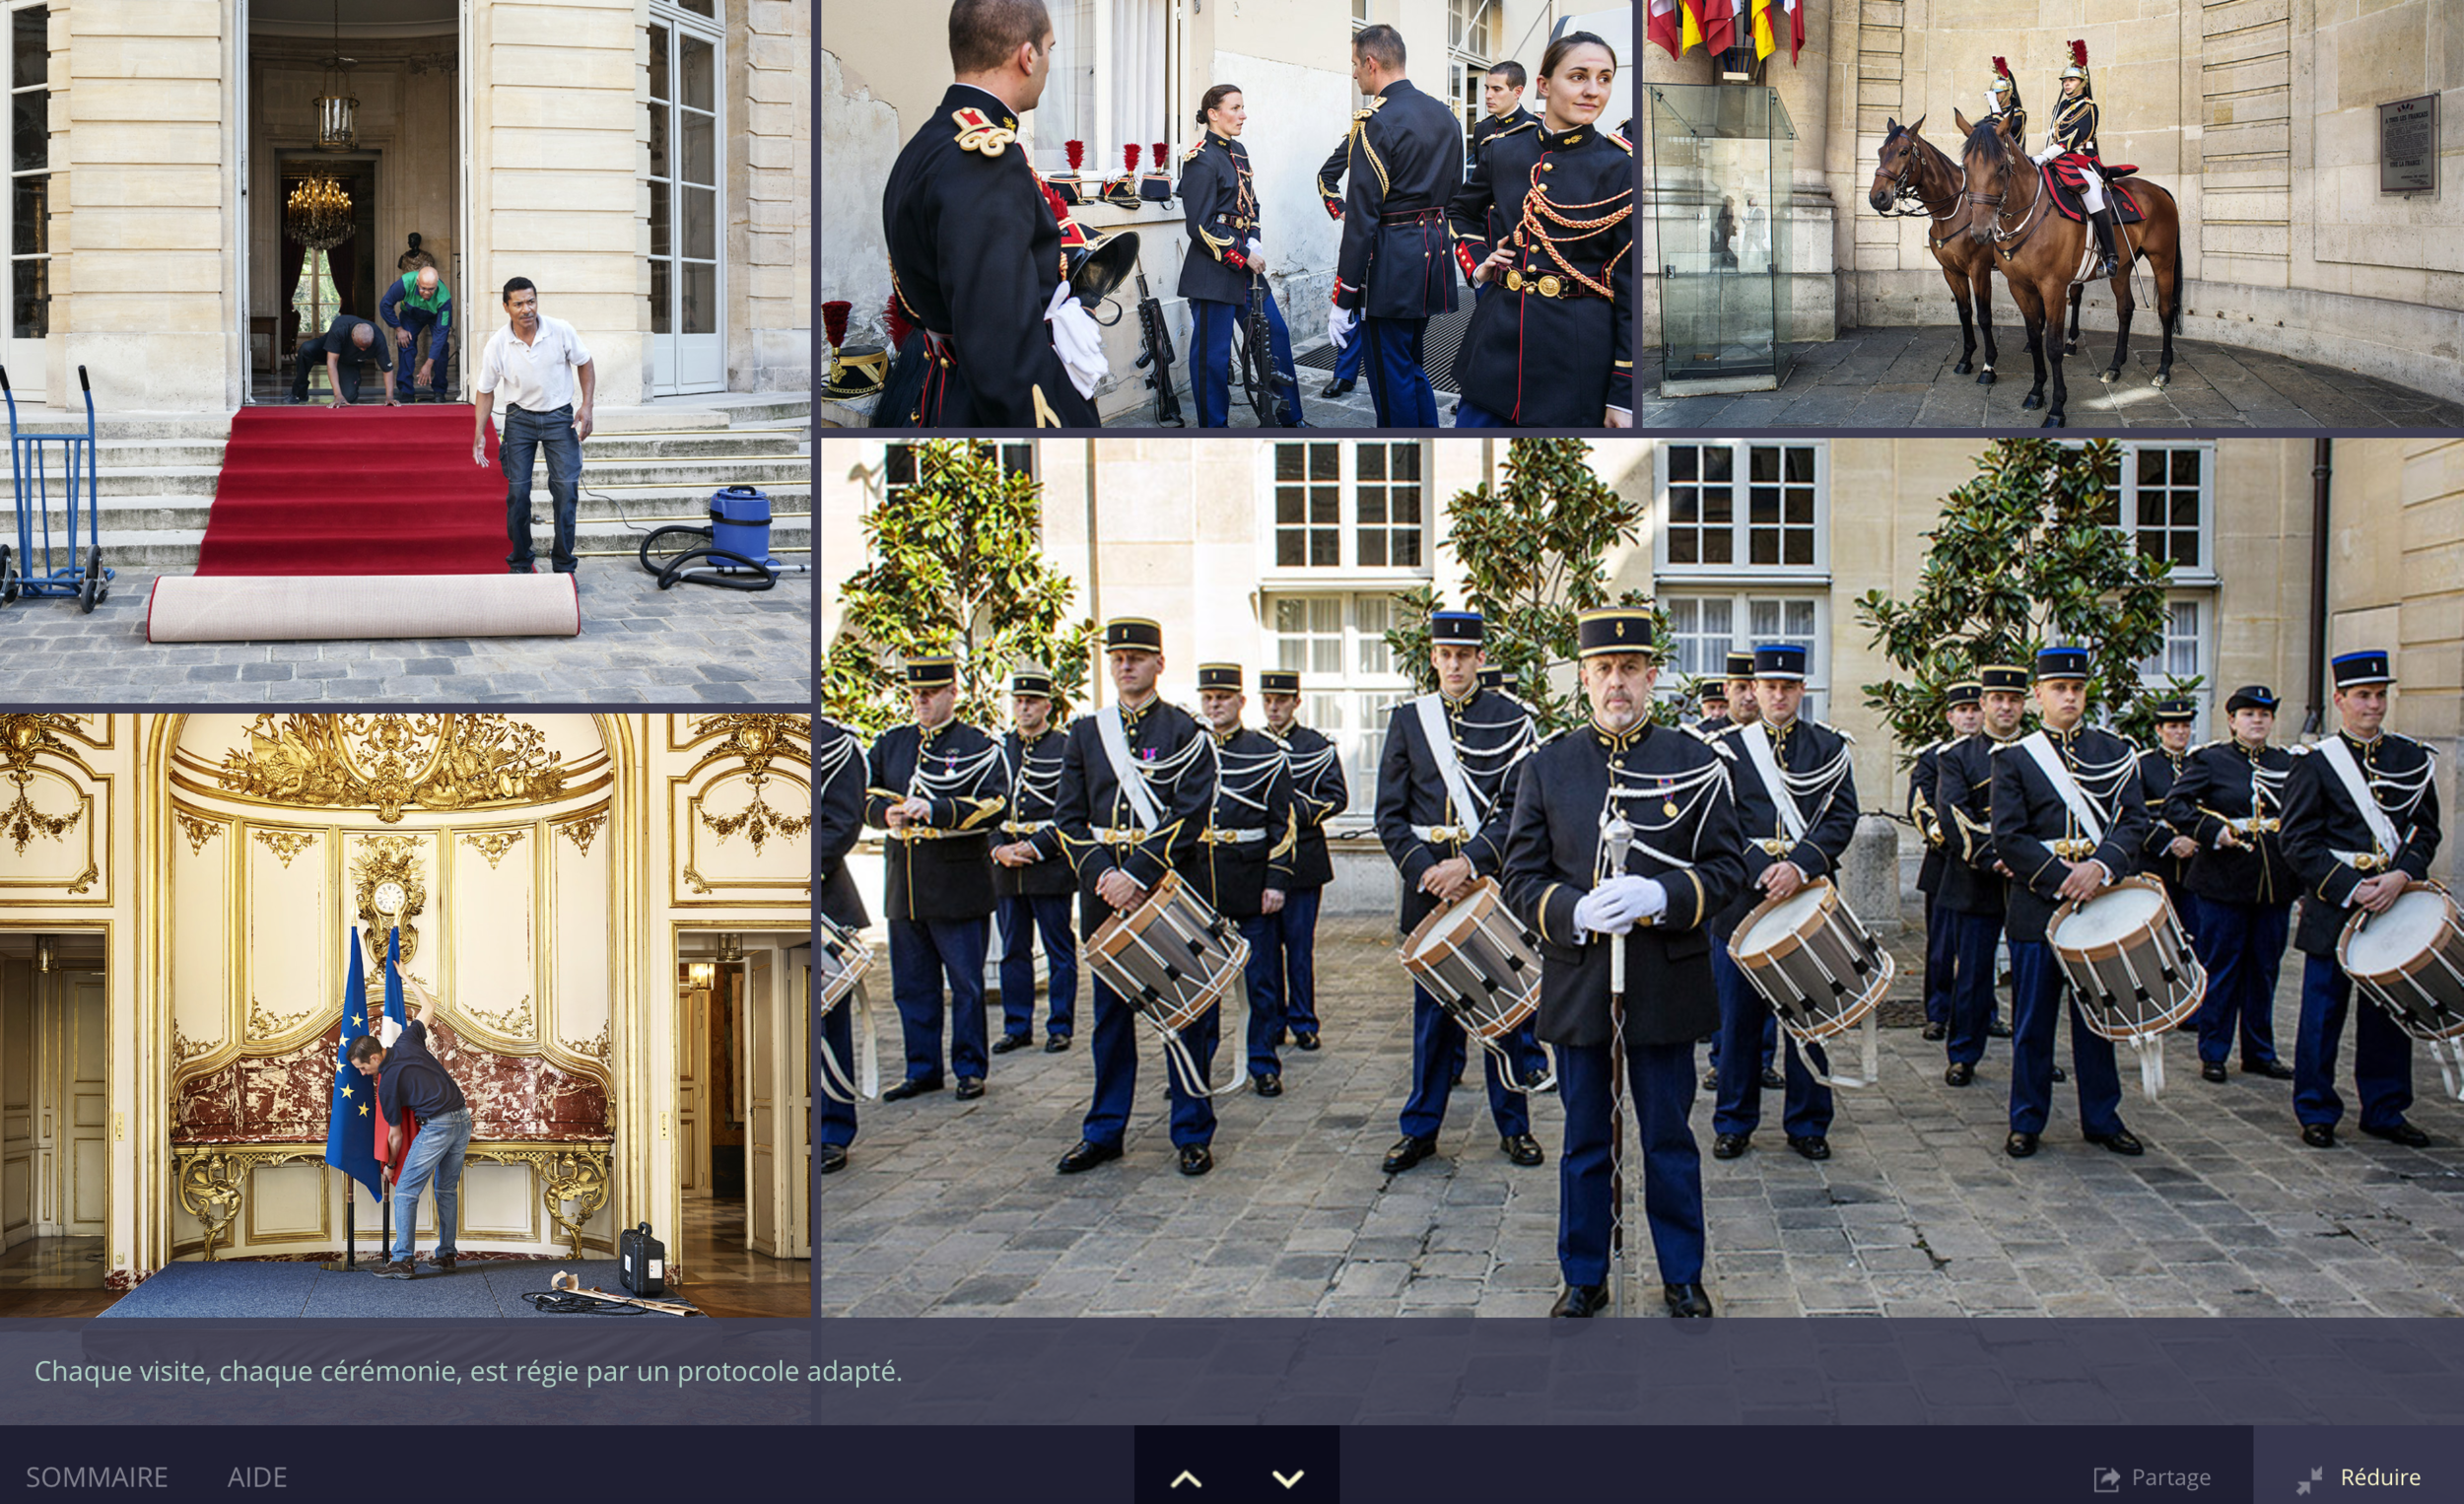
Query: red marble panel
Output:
(283,1098)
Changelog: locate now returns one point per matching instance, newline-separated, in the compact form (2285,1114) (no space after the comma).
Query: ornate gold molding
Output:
(757,820)
(753,739)
(264,1025)
(494,844)
(22,822)
(395,859)
(86,879)
(393,762)
(283,843)
(584,831)
(26,736)
(213,1178)
(595,1049)
(184,1049)
(581,1173)
(198,831)
(695,880)
(512,1022)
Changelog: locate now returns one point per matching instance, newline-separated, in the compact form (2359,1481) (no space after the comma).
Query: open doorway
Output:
(743,1096)
(359,103)
(55,1188)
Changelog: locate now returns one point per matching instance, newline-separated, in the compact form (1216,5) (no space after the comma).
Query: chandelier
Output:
(317,214)
(337,128)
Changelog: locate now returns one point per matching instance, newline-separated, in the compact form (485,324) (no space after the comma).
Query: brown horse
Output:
(2040,253)
(1912,171)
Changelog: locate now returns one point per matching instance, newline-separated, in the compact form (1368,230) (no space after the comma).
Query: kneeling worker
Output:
(409,1077)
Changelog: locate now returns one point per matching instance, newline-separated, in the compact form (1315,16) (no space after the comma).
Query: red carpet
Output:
(356,491)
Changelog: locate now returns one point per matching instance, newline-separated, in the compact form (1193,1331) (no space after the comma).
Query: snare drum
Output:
(844,958)
(1818,967)
(1171,958)
(1477,960)
(2410,961)
(2130,966)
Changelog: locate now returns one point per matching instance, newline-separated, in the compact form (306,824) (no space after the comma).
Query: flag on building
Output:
(348,1146)
(1666,30)
(1796,10)
(1719,25)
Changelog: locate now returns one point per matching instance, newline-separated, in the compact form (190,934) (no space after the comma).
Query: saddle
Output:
(2067,175)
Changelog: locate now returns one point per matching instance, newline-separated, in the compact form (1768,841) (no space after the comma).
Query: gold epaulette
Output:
(977,133)
(1195,147)
(1374,107)
(1511,130)
(1623,144)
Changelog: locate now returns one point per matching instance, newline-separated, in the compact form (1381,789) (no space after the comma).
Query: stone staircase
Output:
(649,466)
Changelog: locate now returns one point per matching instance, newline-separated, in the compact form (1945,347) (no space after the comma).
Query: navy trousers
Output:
(1265,1002)
(2243,948)
(1661,1080)
(1210,362)
(1470,415)
(2039,995)
(2382,1055)
(1805,1104)
(1348,361)
(1291,975)
(838,1035)
(1119,1036)
(1974,937)
(1022,916)
(1397,386)
(924,953)
(1437,1050)
(1940,962)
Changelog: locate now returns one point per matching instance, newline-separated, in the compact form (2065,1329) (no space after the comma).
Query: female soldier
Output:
(2002,104)
(2074,134)
(1555,347)
(1221,208)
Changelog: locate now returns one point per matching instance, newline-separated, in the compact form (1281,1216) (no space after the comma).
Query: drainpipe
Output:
(2322,468)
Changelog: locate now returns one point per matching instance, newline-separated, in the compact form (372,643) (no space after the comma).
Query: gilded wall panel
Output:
(288,973)
(493,910)
(581,856)
(204,925)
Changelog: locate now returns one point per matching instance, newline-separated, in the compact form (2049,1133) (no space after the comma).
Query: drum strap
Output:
(1441,740)
(1757,740)
(836,1083)
(1124,771)
(2348,773)
(2058,772)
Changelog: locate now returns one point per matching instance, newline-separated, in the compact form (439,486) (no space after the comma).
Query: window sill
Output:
(1744,574)
(1302,582)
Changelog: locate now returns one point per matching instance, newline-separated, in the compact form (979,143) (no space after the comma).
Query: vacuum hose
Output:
(671,568)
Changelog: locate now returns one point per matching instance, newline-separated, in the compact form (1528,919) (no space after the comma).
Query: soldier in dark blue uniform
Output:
(1974,879)
(1550,214)
(2169,849)
(838,822)
(1742,710)
(1669,793)
(1393,271)
(1712,700)
(1226,253)
(2072,133)
(976,257)
(1963,714)
(938,787)
(2231,801)
(1121,843)
(1809,768)
(1034,888)
(2057,851)
(1251,833)
(1315,766)
(2352,861)
(1503,114)
(1445,788)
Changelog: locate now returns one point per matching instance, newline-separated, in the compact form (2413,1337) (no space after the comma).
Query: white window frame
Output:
(2155,677)
(1818,573)
(2127,503)
(8,208)
(1347,573)
(1359,735)
(1742,636)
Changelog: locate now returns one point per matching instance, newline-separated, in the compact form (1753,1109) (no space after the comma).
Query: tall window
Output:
(1349,680)
(1347,505)
(899,468)
(2163,501)
(1470,41)
(1066,113)
(1733,506)
(1707,628)
(2183,653)
(30,167)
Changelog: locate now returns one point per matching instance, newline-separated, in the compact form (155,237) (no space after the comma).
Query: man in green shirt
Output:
(419,313)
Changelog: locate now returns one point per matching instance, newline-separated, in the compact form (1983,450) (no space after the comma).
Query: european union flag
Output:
(348,1144)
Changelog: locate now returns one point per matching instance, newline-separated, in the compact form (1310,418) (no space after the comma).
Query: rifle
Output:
(1155,358)
(1271,384)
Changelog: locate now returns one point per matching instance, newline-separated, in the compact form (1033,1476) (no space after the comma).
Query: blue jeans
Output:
(520,439)
(436,1154)
(428,342)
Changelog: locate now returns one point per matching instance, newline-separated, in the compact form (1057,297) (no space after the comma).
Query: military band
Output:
(1394,271)
(1252,830)
(1033,889)
(2169,849)
(1742,710)
(1315,766)
(2229,799)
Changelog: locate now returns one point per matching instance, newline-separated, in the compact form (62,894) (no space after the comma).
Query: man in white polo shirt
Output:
(534,361)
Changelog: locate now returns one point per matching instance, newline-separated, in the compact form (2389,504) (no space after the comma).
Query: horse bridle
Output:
(1904,192)
(2004,239)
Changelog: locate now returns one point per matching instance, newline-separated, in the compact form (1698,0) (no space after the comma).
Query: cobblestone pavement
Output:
(638,644)
(1353,409)
(1899,378)
(954,1208)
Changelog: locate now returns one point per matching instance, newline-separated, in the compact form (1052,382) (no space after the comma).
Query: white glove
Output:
(1339,323)
(2047,154)
(1603,910)
(1651,897)
(1256,255)
(1078,340)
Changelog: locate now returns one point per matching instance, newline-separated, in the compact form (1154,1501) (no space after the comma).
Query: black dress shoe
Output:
(914,1087)
(1455,1082)
(2404,1134)
(1729,1145)
(1711,1078)
(1196,1159)
(832,1158)
(2274,1071)
(1522,1148)
(1087,1155)
(1305,1040)
(1812,1146)
(1009,1041)
(2119,1141)
(1266,1086)
(1055,1043)
(2213,1070)
(970,1088)
(1581,1300)
(1935,1032)
(1338,388)
(1408,1151)
(2000,1028)
(1686,1300)
(2061,1074)
(1282,1037)
(2019,1145)
(2319,1135)
(1772,1080)
(1960,1073)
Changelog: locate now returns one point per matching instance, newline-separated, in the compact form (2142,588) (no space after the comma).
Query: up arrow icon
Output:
(1188,1478)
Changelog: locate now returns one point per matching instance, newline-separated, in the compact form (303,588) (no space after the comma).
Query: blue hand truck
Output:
(19,576)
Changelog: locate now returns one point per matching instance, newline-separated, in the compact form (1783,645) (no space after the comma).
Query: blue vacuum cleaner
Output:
(736,544)
(57,575)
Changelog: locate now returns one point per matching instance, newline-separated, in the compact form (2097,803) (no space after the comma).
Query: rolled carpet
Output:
(272,609)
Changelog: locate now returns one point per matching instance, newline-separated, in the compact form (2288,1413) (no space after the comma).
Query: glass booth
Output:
(1721,161)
